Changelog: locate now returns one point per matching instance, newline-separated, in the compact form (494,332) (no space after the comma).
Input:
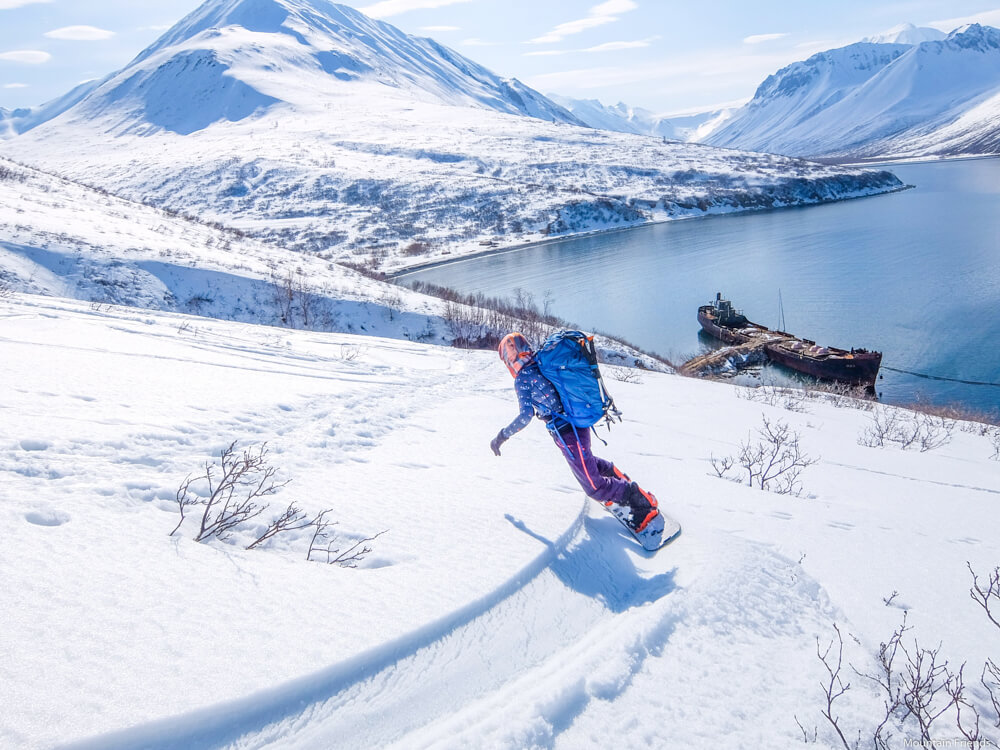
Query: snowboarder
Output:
(600,479)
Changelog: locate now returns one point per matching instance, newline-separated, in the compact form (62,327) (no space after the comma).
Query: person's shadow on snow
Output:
(598,565)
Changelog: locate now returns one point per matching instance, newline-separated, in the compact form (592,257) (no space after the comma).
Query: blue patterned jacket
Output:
(536,396)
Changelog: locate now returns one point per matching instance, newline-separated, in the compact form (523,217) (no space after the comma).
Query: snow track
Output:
(549,659)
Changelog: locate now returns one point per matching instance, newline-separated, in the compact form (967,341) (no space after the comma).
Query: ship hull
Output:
(852,369)
(856,368)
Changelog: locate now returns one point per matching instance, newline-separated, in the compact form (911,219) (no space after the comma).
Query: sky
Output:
(663,55)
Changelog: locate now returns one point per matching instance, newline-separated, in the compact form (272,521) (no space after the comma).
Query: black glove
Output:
(496,442)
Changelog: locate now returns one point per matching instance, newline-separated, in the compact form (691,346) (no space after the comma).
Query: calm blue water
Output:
(914,274)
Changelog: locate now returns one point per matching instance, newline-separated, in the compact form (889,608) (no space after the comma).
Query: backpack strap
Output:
(612,413)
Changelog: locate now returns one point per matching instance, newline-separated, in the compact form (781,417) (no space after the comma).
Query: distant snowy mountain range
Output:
(309,124)
(908,92)
(623,118)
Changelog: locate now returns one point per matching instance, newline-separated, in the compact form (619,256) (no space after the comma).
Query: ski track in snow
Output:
(593,628)
(541,662)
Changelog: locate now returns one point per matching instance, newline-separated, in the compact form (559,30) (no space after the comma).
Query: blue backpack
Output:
(568,360)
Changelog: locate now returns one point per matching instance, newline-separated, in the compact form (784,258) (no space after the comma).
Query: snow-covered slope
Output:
(63,239)
(936,97)
(305,123)
(16,121)
(501,609)
(623,118)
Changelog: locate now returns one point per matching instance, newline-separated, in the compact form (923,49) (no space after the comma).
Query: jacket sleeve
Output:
(522,386)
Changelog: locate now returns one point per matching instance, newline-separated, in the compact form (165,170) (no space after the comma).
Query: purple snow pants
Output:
(595,475)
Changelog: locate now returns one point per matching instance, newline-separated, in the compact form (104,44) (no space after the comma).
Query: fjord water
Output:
(914,274)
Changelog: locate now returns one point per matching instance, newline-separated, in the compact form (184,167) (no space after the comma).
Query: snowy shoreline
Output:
(474,254)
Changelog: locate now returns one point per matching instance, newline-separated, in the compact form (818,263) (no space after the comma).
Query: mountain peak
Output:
(974,35)
(232,59)
(906,33)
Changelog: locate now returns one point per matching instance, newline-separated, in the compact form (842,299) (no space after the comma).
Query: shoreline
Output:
(400,273)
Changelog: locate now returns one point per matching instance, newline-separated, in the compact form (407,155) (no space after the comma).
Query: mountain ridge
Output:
(892,105)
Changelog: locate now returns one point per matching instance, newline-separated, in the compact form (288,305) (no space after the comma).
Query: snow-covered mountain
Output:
(306,123)
(623,118)
(937,97)
(906,33)
(229,59)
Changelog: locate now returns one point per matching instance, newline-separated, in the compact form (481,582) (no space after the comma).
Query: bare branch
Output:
(991,681)
(987,596)
(292,519)
(236,485)
(834,687)
(183,500)
(348,558)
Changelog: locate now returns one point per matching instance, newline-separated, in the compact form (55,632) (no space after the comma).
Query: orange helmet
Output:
(515,351)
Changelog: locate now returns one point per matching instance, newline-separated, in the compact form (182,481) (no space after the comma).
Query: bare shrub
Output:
(995,441)
(6,290)
(416,248)
(235,486)
(842,395)
(626,374)
(352,352)
(792,399)
(774,462)
(294,299)
(917,685)
(6,173)
(907,429)
(324,543)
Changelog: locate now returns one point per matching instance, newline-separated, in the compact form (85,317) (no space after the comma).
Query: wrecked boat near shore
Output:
(856,367)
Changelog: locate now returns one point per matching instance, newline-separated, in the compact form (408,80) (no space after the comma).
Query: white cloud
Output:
(572,27)
(545,53)
(440,28)
(615,46)
(761,38)
(7,4)
(80,33)
(599,15)
(388,8)
(987,18)
(15,85)
(28,56)
(612,7)
(703,73)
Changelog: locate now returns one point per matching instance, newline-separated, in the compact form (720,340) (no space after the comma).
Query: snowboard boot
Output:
(643,505)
